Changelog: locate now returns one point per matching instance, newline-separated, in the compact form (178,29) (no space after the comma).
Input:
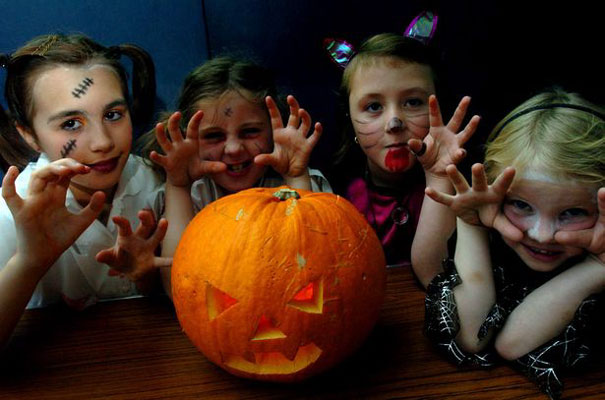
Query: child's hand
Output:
(443,144)
(182,162)
(480,204)
(593,239)
(134,253)
(45,228)
(292,148)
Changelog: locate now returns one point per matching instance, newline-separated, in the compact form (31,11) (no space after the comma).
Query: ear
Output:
(29,137)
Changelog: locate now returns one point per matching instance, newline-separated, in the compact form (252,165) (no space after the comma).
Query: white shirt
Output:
(76,277)
(204,191)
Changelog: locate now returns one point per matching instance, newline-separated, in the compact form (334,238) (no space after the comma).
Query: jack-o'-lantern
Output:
(277,284)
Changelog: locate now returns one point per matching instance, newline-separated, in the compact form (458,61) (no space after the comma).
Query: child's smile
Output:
(234,130)
(540,205)
(81,113)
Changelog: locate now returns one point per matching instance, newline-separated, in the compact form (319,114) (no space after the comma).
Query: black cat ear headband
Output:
(422,28)
(547,107)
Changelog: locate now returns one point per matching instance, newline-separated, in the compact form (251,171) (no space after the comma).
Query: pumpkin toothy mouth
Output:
(275,363)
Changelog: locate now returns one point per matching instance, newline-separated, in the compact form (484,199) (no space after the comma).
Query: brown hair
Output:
(379,48)
(48,51)
(211,80)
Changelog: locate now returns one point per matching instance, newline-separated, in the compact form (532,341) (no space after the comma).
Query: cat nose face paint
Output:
(394,125)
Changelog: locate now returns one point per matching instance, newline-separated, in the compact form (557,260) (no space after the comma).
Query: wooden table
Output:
(135,349)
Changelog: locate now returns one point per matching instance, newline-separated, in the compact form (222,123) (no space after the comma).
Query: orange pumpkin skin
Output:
(276,289)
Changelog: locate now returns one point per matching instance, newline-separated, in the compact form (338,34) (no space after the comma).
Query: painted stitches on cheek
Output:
(82,87)
(68,147)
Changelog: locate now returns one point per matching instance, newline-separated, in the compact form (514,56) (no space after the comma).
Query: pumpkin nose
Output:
(267,330)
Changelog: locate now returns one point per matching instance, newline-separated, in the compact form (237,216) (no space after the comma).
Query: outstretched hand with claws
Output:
(134,252)
(292,148)
(479,204)
(443,145)
(593,239)
(181,160)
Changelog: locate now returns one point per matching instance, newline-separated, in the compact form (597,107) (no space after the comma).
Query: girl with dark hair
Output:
(60,217)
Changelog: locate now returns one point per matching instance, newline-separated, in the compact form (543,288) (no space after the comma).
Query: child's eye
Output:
(213,136)
(71,125)
(414,102)
(250,132)
(520,206)
(373,107)
(114,115)
(572,213)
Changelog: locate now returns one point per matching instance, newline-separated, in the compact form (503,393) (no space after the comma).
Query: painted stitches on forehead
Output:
(228,111)
(82,87)
(68,147)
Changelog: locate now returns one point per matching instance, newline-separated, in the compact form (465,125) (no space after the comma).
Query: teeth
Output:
(236,167)
(540,251)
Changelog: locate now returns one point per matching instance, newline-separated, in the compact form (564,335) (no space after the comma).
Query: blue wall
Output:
(497,52)
(172,31)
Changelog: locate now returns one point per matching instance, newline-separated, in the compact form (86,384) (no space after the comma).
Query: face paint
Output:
(228,111)
(397,159)
(394,125)
(68,147)
(82,87)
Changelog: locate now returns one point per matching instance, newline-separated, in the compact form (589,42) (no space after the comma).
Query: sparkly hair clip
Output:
(4,60)
(45,46)
(422,28)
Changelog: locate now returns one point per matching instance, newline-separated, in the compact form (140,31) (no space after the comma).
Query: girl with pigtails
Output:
(65,218)
(527,277)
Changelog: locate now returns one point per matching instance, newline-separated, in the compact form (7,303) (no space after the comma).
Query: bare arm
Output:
(478,209)
(183,165)
(437,221)
(546,311)
(44,230)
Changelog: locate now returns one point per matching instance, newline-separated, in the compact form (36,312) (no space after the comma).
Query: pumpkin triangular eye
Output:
(217,301)
(266,330)
(310,298)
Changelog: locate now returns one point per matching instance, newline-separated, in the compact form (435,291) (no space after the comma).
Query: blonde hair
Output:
(565,142)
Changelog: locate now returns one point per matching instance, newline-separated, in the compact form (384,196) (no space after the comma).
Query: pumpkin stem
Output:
(285,194)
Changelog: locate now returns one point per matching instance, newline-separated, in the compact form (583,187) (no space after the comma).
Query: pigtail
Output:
(143,81)
(13,149)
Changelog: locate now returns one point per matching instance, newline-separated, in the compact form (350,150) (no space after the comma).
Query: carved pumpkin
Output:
(277,285)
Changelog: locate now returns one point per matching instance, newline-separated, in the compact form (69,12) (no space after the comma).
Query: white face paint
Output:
(540,204)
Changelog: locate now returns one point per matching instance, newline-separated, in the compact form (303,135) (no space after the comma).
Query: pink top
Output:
(393,214)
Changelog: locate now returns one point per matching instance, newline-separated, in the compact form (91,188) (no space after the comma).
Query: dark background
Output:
(498,52)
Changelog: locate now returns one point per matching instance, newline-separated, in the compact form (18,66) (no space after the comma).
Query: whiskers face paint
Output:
(397,159)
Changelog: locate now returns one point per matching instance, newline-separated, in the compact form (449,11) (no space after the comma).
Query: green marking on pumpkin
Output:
(291,207)
(300,260)
(285,194)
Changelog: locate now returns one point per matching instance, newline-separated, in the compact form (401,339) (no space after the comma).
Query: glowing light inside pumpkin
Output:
(217,301)
(310,298)
(275,363)
(266,330)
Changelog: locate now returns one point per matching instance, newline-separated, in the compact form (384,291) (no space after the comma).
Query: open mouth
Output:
(542,254)
(105,166)
(238,169)
(275,363)
(397,158)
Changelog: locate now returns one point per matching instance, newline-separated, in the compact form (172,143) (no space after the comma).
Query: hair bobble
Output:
(114,52)
(5,59)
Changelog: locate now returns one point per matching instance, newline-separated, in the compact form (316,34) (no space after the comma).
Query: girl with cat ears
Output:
(388,87)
